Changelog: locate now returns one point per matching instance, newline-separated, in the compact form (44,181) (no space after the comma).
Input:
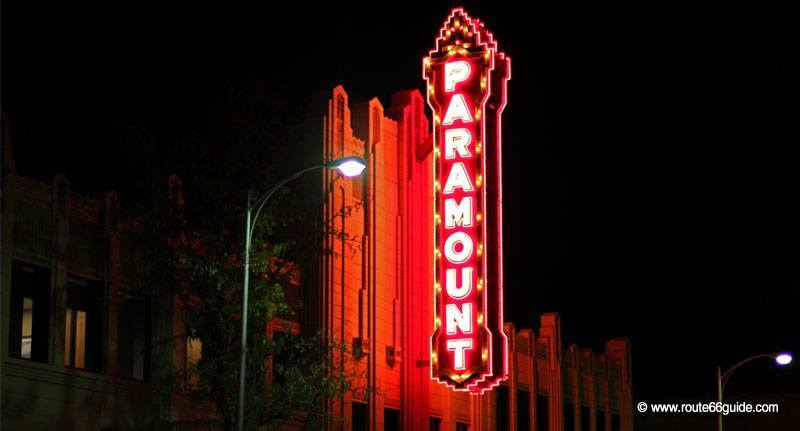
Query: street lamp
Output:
(349,167)
(781,359)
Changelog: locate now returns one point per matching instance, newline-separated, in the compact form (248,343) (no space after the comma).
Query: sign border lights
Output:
(466,89)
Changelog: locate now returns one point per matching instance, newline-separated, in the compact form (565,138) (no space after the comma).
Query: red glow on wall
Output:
(468,345)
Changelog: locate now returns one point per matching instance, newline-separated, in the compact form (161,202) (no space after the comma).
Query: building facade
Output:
(375,287)
(77,349)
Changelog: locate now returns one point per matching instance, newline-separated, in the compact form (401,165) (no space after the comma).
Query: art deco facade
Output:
(77,337)
(376,296)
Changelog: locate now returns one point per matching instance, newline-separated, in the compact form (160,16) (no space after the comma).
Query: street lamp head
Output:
(784,358)
(348,166)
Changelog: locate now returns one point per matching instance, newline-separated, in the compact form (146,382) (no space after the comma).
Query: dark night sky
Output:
(651,183)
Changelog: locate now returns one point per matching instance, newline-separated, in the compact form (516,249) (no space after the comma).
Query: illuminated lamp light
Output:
(349,166)
(478,217)
(783,358)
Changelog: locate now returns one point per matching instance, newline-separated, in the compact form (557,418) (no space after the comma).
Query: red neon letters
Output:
(466,79)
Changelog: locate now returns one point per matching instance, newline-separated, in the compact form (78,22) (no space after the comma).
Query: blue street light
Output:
(783,359)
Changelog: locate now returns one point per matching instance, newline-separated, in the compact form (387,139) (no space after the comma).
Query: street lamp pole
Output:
(348,167)
(780,358)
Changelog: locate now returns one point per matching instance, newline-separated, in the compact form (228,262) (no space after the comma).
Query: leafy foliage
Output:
(192,240)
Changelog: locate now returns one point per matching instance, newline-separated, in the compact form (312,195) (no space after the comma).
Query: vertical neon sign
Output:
(466,79)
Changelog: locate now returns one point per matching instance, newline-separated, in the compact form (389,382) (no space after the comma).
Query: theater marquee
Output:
(466,77)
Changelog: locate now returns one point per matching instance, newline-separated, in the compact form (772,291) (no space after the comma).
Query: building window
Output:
(586,419)
(615,425)
(83,326)
(391,420)
(501,414)
(462,426)
(133,337)
(542,413)
(75,338)
(27,328)
(523,410)
(435,424)
(601,420)
(360,417)
(30,312)
(569,416)
(194,352)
